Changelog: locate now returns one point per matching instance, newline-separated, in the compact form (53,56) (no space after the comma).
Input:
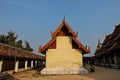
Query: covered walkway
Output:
(15,59)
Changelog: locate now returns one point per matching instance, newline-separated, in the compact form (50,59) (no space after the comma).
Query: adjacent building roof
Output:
(10,51)
(116,46)
(116,32)
(64,30)
(110,43)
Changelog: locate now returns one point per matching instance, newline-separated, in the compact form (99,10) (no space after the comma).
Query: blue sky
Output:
(34,19)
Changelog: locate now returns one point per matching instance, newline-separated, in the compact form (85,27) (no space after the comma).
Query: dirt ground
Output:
(101,73)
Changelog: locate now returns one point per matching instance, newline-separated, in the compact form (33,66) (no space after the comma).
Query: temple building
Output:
(64,53)
(107,53)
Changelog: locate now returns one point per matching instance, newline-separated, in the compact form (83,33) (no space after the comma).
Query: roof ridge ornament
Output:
(64,18)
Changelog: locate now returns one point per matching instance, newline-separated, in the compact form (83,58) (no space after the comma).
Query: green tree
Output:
(3,39)
(27,46)
(19,44)
(11,38)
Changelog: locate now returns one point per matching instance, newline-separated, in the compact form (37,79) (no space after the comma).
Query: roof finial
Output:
(64,18)
(99,42)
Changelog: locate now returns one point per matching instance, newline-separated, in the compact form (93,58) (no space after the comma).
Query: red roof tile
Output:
(116,46)
(111,42)
(107,38)
(117,38)
(63,30)
(116,31)
(6,50)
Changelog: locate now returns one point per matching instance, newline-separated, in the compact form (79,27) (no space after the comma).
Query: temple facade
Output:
(64,52)
(107,52)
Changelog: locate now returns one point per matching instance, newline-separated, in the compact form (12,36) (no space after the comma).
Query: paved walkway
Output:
(101,73)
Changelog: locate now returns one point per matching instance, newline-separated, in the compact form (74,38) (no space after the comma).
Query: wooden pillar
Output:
(115,58)
(103,59)
(36,63)
(1,63)
(31,63)
(16,65)
(110,59)
(26,63)
(39,62)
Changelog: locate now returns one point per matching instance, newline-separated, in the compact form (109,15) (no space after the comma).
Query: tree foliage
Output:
(27,46)
(19,44)
(11,38)
(3,39)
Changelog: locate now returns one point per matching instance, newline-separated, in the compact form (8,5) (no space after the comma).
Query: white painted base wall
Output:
(65,71)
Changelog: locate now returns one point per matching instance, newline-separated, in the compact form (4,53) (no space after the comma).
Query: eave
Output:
(64,30)
(116,46)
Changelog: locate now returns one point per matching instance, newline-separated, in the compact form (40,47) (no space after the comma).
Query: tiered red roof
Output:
(64,30)
(116,39)
(111,42)
(116,32)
